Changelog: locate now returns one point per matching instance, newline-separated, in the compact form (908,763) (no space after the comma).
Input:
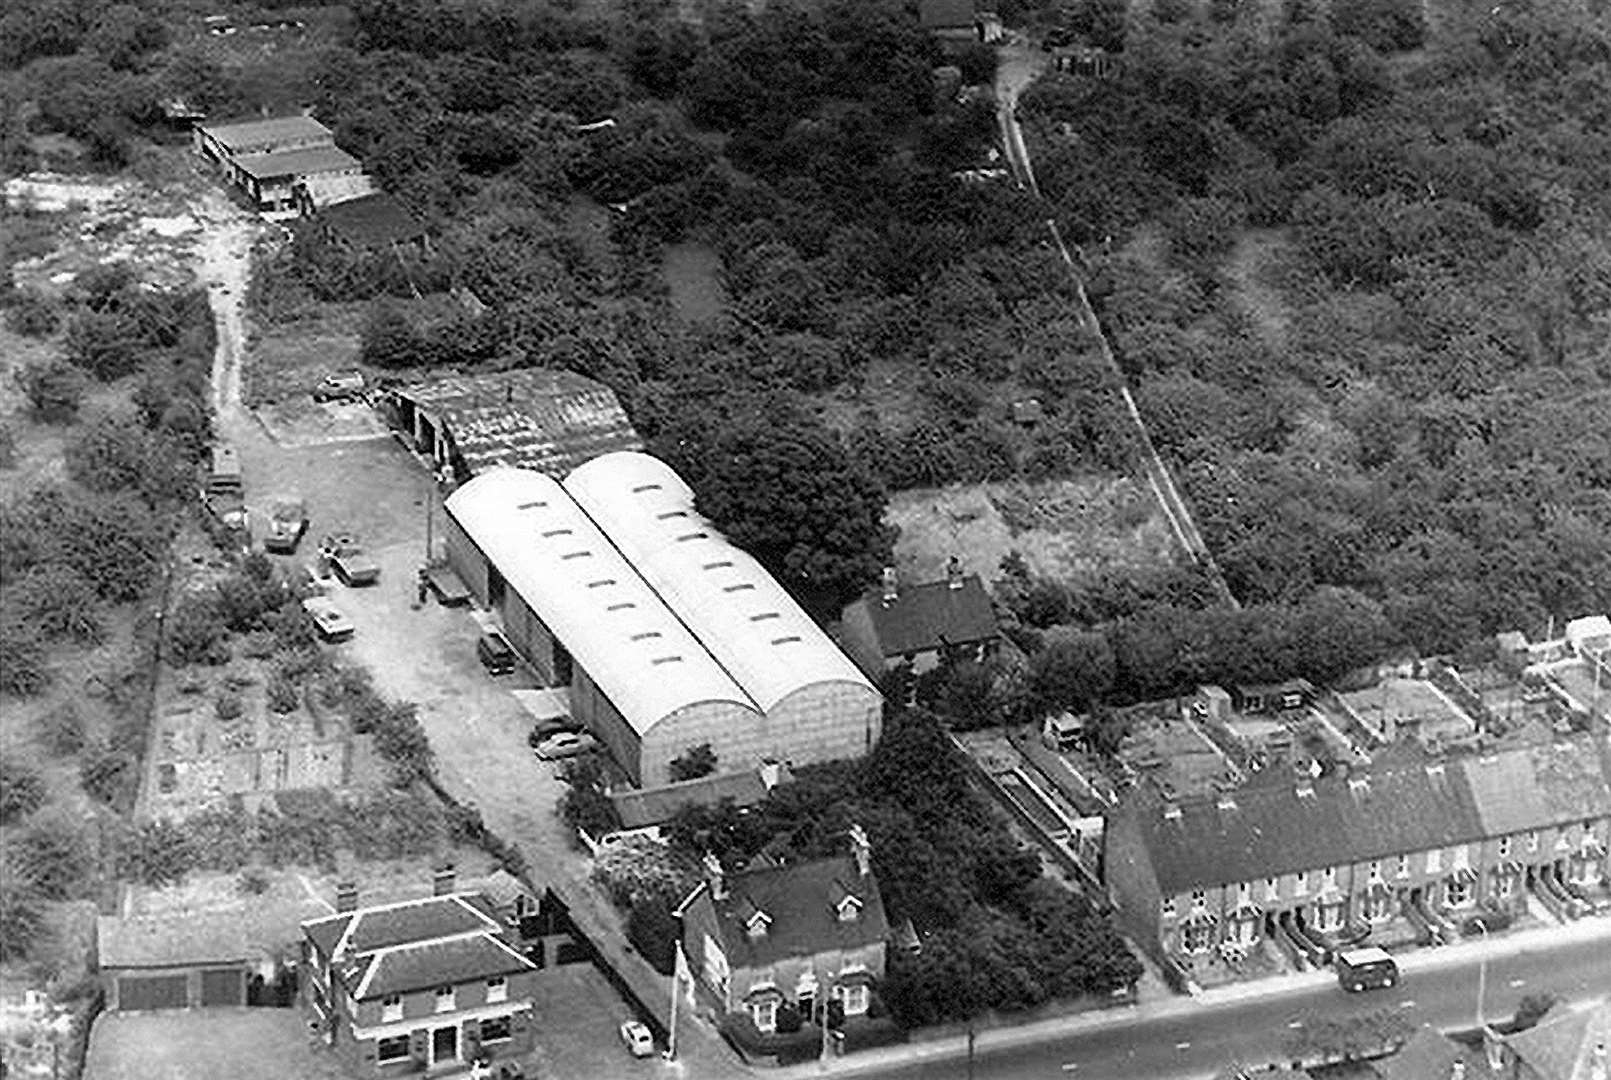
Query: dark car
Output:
(551,725)
(495,653)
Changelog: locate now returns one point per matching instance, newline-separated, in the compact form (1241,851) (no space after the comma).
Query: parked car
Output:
(346,557)
(340,386)
(495,653)
(550,725)
(288,520)
(566,744)
(1365,969)
(328,619)
(637,1038)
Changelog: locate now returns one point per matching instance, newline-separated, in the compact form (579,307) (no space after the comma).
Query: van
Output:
(224,473)
(1366,969)
(495,654)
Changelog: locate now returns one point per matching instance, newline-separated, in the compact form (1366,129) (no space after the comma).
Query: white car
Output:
(637,1038)
(565,744)
(328,619)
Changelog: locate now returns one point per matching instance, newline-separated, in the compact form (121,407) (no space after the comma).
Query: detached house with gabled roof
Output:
(804,934)
(920,624)
(424,984)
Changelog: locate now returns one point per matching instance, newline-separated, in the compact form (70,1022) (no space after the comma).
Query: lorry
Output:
(344,554)
(287,521)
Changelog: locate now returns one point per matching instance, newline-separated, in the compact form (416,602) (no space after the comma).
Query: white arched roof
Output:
(614,625)
(749,623)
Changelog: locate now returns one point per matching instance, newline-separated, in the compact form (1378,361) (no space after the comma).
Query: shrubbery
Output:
(54,389)
(22,790)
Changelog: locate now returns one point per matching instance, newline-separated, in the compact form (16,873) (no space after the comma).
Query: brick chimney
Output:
(715,876)
(346,896)
(953,573)
(861,850)
(444,881)
(891,586)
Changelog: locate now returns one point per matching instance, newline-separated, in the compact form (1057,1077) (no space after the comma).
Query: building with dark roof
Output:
(918,624)
(541,419)
(958,21)
(422,985)
(1408,850)
(1428,1054)
(644,808)
(1567,1044)
(225,141)
(268,159)
(804,934)
(147,963)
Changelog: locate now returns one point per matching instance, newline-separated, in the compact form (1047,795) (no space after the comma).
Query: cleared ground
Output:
(242,1044)
(1065,529)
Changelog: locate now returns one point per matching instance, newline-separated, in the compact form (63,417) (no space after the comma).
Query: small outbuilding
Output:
(197,961)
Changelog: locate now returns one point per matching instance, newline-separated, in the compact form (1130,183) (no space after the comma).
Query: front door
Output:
(445,1044)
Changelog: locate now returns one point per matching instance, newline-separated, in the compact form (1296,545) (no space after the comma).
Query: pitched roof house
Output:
(917,623)
(1567,1044)
(423,984)
(802,933)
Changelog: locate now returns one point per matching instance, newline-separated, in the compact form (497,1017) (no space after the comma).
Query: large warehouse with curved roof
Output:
(668,636)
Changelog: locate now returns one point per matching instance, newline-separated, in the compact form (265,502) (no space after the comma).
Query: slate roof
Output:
(197,938)
(651,806)
(1562,1045)
(799,899)
(306,161)
(530,418)
(371,221)
(945,14)
(433,941)
(922,617)
(1273,829)
(1543,784)
(1430,1055)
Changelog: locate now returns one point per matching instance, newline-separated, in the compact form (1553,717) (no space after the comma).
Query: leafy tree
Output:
(62,730)
(156,853)
(1075,669)
(196,632)
(54,389)
(389,338)
(23,927)
(29,313)
(696,762)
(109,774)
(54,853)
(652,928)
(22,790)
(60,602)
(782,488)
(24,666)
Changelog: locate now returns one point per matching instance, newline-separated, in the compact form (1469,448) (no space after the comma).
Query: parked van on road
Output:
(1366,969)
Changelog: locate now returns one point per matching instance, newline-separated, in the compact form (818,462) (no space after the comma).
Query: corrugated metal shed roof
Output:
(530,418)
(275,129)
(307,161)
(617,628)
(732,605)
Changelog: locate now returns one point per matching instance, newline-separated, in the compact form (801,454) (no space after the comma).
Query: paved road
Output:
(1186,1039)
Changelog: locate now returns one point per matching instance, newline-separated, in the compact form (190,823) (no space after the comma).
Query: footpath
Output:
(954,1047)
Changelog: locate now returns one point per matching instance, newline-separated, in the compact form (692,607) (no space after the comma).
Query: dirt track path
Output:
(226,260)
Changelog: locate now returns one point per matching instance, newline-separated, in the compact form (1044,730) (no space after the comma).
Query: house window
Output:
(1457,893)
(1199,899)
(1272,890)
(1504,847)
(1168,907)
(1376,870)
(444,999)
(765,1014)
(392,1049)
(1532,841)
(497,989)
(853,998)
(1198,936)
(391,1008)
(1243,892)
(496,1029)
(1330,875)
(1434,861)
(1301,883)
(1403,866)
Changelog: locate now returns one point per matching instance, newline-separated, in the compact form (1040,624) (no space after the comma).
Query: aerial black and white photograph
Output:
(805,539)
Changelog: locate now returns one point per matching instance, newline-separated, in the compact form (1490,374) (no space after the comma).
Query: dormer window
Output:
(848,909)
(755,926)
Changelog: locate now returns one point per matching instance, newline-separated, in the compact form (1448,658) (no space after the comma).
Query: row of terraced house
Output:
(1407,850)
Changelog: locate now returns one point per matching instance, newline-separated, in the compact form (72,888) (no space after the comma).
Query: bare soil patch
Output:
(1065,529)
(284,361)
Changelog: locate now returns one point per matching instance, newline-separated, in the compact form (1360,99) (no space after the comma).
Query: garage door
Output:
(222,987)
(151,992)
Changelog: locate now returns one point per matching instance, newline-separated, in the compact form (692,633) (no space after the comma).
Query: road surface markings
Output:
(1295,1024)
(1406,1004)
(1183,1046)
(1070,1066)
(1514,983)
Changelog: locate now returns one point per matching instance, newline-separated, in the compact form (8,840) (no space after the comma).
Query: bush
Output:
(196,632)
(62,730)
(109,775)
(697,762)
(229,706)
(103,344)
(54,389)
(654,930)
(55,854)
(157,853)
(281,694)
(585,807)
(22,915)
(32,315)
(60,602)
(22,790)
(23,667)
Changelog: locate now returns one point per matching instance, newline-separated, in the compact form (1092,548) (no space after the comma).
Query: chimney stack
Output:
(346,896)
(1457,1070)
(715,877)
(444,881)
(861,849)
(953,573)
(1599,1068)
(891,589)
